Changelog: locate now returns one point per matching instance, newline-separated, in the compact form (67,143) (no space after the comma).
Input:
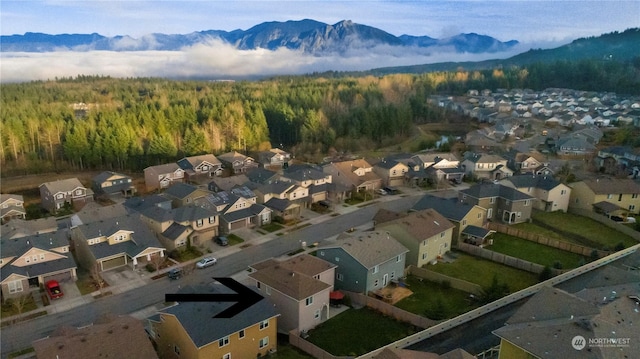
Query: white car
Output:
(206,262)
(381,192)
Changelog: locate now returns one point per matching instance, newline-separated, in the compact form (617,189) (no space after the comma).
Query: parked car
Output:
(222,240)
(53,289)
(175,273)
(381,192)
(206,262)
(390,190)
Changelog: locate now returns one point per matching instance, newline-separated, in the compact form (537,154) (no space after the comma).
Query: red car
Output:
(53,289)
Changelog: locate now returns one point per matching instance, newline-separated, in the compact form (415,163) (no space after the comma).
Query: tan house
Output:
(310,177)
(191,330)
(354,175)
(606,195)
(162,176)
(551,195)
(502,203)
(200,168)
(426,234)
(56,194)
(236,209)
(28,262)
(109,336)
(111,183)
(299,288)
(274,159)
(236,162)
(115,242)
(11,207)
(392,172)
(184,194)
(436,160)
(460,214)
(486,166)
(178,227)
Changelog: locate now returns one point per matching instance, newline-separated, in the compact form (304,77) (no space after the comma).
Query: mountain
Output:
(308,36)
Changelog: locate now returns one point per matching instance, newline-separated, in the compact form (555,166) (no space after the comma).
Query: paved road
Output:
(21,335)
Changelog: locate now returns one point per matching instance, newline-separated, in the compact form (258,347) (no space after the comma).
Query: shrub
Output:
(545,274)
(557,265)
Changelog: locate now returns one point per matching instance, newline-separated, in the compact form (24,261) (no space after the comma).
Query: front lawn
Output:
(481,271)
(358,331)
(534,252)
(234,239)
(435,301)
(272,227)
(15,306)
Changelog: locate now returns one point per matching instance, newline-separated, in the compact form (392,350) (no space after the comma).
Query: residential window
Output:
(424,255)
(489,213)
(375,284)
(223,341)
(227,356)
(176,349)
(258,284)
(241,334)
(375,269)
(317,276)
(441,234)
(212,220)
(264,324)
(42,256)
(492,200)
(15,286)
(339,277)
(563,192)
(199,223)
(392,275)
(609,196)
(464,222)
(308,301)
(60,196)
(480,215)
(519,214)
(35,258)
(337,259)
(264,342)
(527,202)
(27,260)
(79,192)
(634,195)
(632,207)
(322,253)
(316,314)
(399,258)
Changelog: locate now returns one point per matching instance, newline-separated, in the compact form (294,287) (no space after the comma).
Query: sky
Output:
(534,23)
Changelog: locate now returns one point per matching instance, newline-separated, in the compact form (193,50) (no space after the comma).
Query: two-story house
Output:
(200,168)
(366,261)
(285,199)
(488,166)
(317,182)
(56,194)
(551,194)
(606,195)
(426,234)
(114,243)
(162,176)
(11,207)
(353,176)
(184,194)
(28,262)
(262,176)
(236,162)
(112,183)
(179,227)
(391,172)
(237,209)
(299,288)
(502,203)
(193,330)
(274,159)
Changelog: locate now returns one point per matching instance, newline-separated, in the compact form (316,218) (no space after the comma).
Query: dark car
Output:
(53,289)
(175,273)
(221,240)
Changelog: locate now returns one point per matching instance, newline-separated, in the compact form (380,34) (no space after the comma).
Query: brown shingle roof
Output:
(423,224)
(291,283)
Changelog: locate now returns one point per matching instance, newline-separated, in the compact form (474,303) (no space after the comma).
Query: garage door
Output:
(396,182)
(60,277)
(238,224)
(113,263)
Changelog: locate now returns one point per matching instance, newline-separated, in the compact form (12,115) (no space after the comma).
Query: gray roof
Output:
(261,175)
(278,204)
(545,182)
(93,212)
(234,216)
(198,320)
(276,187)
(303,173)
(485,190)
(19,246)
(141,203)
(450,208)
(243,191)
(190,163)
(104,176)
(19,227)
(387,164)
(475,231)
(180,190)
(192,213)
(370,248)
(65,185)
(174,231)
(39,268)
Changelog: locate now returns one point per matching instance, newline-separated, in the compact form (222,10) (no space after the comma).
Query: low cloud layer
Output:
(216,60)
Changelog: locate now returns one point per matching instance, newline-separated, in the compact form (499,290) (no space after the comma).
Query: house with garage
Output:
(274,159)
(219,184)
(237,209)
(18,228)
(162,176)
(260,176)
(609,196)
(426,234)
(184,194)
(237,163)
(194,330)
(115,242)
(366,262)
(502,203)
(353,176)
(11,207)
(551,194)
(177,228)
(311,177)
(29,262)
(56,194)
(285,199)
(482,165)
(110,183)
(391,172)
(200,169)
(299,288)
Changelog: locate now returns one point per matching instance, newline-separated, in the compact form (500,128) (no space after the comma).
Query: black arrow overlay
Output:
(243,296)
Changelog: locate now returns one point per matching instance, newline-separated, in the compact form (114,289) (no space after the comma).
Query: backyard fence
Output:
(297,341)
(390,310)
(607,222)
(503,259)
(555,243)
(455,283)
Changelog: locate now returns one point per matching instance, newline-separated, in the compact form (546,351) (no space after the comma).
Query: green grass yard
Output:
(435,300)
(534,252)
(481,271)
(358,331)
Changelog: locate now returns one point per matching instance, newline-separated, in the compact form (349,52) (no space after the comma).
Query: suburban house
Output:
(298,287)
(56,194)
(502,203)
(237,162)
(354,175)
(481,165)
(200,168)
(391,172)
(262,176)
(436,160)
(274,159)
(115,242)
(525,163)
(192,330)
(551,195)
(366,261)
(31,261)
(457,212)
(109,336)
(18,228)
(311,178)
(94,212)
(219,184)
(237,209)
(176,228)
(606,195)
(183,194)
(112,183)
(426,234)
(11,207)
(162,176)
(574,145)
(285,199)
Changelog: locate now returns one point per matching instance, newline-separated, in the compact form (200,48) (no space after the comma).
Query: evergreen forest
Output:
(96,122)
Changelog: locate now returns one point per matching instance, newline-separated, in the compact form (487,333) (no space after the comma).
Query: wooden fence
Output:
(390,310)
(455,283)
(297,341)
(607,222)
(503,258)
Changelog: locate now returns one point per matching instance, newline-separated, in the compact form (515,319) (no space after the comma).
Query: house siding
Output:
(353,274)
